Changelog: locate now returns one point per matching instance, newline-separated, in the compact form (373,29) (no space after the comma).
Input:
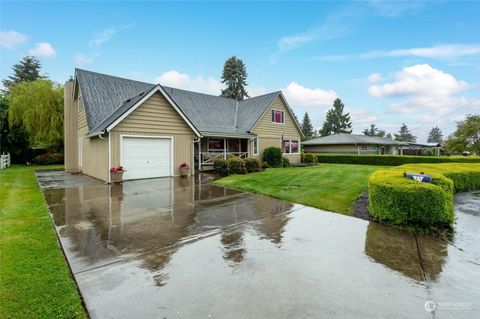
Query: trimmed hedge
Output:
(220,166)
(285,162)
(397,200)
(392,160)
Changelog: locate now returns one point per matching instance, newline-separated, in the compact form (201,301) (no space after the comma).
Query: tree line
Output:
(31,112)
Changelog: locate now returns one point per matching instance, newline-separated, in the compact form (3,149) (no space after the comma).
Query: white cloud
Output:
(10,39)
(102,37)
(107,34)
(336,25)
(42,49)
(301,96)
(184,81)
(84,59)
(419,80)
(390,8)
(442,52)
(207,85)
(374,77)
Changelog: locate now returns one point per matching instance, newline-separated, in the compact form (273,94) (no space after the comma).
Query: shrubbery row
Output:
(397,200)
(391,160)
(236,165)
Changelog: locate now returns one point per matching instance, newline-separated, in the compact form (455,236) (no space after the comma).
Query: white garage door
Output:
(144,157)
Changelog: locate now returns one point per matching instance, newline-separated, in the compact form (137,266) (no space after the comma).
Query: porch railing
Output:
(4,160)
(207,158)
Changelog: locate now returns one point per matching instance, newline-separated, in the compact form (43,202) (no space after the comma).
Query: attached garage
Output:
(146,156)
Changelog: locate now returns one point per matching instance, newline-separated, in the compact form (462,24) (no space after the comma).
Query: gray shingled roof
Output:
(107,97)
(336,139)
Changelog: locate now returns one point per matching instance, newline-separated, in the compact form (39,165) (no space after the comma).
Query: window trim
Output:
(290,147)
(273,116)
(255,141)
(362,147)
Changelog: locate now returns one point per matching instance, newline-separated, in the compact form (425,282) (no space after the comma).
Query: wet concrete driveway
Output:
(183,248)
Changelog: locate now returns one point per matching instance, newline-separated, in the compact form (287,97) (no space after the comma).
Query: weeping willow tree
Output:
(37,106)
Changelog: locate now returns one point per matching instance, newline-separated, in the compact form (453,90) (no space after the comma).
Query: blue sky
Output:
(389,62)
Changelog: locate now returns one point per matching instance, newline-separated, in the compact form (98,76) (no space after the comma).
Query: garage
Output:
(146,157)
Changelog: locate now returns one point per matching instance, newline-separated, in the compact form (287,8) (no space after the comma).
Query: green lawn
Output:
(35,281)
(333,187)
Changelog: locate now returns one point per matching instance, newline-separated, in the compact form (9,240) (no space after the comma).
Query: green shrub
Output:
(397,200)
(252,165)
(309,158)
(392,160)
(285,162)
(220,166)
(49,158)
(272,156)
(236,165)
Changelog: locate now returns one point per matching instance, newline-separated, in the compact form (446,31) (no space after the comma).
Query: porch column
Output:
(200,154)
(224,148)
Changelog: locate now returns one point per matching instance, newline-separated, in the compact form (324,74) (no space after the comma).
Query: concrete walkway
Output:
(183,248)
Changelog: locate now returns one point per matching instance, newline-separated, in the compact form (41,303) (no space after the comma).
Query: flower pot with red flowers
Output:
(184,169)
(116,174)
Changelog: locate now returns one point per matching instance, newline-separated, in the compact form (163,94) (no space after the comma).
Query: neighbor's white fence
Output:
(4,161)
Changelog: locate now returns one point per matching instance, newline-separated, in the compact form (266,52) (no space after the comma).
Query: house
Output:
(415,148)
(151,129)
(353,144)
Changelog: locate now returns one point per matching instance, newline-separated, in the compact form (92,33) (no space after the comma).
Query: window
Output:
(215,144)
(277,116)
(255,146)
(290,147)
(364,147)
(374,147)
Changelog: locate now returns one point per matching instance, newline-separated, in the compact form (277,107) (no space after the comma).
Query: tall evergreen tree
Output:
(404,135)
(28,69)
(389,136)
(307,127)
(372,131)
(336,122)
(435,135)
(234,75)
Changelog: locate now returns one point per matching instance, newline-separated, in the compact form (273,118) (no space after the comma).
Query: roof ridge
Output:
(112,76)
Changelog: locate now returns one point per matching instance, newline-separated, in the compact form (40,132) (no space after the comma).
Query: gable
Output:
(289,128)
(155,115)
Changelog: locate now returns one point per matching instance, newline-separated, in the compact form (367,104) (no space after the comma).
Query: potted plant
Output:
(184,169)
(116,174)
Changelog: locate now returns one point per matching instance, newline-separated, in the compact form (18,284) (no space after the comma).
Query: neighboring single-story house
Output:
(151,129)
(415,148)
(352,144)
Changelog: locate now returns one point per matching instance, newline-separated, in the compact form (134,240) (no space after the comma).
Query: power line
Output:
(411,106)
(444,116)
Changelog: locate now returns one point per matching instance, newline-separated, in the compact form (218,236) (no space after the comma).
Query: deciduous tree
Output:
(37,106)
(466,137)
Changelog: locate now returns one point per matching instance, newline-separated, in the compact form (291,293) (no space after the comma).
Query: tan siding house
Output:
(352,144)
(151,130)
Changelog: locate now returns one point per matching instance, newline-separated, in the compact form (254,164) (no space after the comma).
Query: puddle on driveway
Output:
(183,248)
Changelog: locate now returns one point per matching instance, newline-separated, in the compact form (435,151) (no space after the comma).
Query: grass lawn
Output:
(35,281)
(333,187)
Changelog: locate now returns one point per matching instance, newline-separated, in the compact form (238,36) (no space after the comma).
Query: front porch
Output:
(211,148)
